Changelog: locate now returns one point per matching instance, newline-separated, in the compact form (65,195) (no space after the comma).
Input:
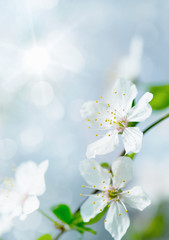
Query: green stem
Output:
(122,154)
(44,214)
(155,123)
(59,235)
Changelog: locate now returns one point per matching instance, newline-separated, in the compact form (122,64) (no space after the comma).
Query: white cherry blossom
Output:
(115,117)
(112,194)
(19,196)
(5,223)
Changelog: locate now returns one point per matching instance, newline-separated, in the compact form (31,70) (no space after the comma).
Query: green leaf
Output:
(63,212)
(45,237)
(131,155)
(105,165)
(160,97)
(77,218)
(98,217)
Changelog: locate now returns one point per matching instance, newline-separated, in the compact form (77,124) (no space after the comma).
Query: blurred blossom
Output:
(8,148)
(5,223)
(36,60)
(19,196)
(130,66)
(74,113)
(31,137)
(42,93)
(54,111)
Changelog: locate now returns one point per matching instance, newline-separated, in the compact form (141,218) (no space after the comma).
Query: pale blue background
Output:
(101,32)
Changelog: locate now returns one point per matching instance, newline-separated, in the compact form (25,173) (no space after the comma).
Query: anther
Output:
(93,202)
(81,194)
(126,210)
(96,101)
(95,119)
(94,168)
(119,214)
(100,96)
(108,206)
(101,124)
(83,185)
(94,186)
(105,220)
(103,181)
(115,92)
(100,210)
(96,135)
(89,127)
(123,180)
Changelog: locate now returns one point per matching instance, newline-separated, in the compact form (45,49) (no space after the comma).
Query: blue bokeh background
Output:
(79,46)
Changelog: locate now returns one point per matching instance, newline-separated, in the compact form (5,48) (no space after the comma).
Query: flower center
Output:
(121,125)
(113,193)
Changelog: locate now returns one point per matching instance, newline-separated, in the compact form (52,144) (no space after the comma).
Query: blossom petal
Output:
(132,139)
(30,177)
(136,198)
(122,169)
(117,225)
(30,205)
(141,110)
(95,114)
(104,145)
(89,210)
(94,174)
(124,91)
(39,186)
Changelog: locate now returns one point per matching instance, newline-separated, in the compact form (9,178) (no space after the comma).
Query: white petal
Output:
(30,177)
(25,174)
(141,110)
(89,210)
(124,91)
(5,223)
(122,169)
(104,145)
(31,205)
(39,186)
(132,139)
(136,198)
(94,174)
(115,224)
(95,114)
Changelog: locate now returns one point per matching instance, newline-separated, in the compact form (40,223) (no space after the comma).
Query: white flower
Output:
(19,196)
(5,223)
(112,194)
(115,117)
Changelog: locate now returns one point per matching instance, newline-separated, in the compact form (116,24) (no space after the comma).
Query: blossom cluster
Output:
(19,196)
(118,118)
